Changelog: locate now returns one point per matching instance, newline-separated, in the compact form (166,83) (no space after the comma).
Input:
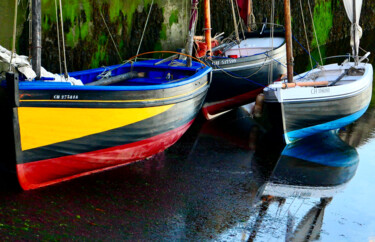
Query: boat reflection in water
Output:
(306,177)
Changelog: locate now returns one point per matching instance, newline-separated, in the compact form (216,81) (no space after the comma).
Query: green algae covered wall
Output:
(88,41)
(89,45)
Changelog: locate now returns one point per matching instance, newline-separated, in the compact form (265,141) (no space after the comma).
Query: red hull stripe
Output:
(51,171)
(210,109)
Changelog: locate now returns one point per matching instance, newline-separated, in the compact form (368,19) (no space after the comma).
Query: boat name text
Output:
(65,97)
(320,90)
(224,62)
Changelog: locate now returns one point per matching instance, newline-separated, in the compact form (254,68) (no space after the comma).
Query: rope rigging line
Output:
(316,37)
(304,27)
(240,21)
(30,29)
(14,34)
(63,41)
(235,23)
(233,75)
(305,49)
(58,35)
(270,72)
(144,29)
(109,32)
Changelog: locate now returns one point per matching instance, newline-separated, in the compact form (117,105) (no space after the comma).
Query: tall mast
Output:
(288,40)
(207,25)
(191,33)
(249,10)
(37,37)
(354,33)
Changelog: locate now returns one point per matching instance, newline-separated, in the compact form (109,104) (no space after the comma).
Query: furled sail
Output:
(353,10)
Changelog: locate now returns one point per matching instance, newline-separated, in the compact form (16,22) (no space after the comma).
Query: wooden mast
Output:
(248,19)
(288,40)
(207,26)
(191,33)
(37,37)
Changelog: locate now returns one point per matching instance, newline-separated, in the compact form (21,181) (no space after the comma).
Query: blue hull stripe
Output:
(332,125)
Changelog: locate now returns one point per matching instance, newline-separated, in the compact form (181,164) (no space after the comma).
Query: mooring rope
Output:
(144,29)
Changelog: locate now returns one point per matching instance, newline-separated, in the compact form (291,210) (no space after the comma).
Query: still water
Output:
(226,180)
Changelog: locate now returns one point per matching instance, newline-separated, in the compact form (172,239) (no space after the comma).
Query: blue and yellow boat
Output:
(63,131)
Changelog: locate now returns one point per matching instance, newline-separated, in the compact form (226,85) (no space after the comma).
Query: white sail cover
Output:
(356,30)
(21,63)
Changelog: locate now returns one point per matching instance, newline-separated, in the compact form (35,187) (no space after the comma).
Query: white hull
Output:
(312,109)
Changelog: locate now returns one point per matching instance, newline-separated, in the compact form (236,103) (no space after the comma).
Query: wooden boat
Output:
(64,131)
(326,98)
(241,67)
(120,114)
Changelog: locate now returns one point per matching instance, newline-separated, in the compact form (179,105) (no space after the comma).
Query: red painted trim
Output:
(211,109)
(51,171)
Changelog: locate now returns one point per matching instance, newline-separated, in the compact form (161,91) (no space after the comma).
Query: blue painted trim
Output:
(196,67)
(332,125)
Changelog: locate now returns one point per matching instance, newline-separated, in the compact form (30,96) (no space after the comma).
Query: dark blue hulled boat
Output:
(242,65)
(242,72)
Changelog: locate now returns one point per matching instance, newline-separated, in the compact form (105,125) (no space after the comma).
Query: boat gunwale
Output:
(200,72)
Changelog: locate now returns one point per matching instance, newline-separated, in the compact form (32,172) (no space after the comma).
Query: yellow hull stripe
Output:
(117,101)
(45,126)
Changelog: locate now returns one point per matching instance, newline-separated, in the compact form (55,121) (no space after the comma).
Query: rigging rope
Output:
(270,72)
(144,29)
(251,20)
(14,34)
(58,35)
(109,32)
(304,27)
(316,37)
(240,21)
(63,41)
(30,31)
(235,23)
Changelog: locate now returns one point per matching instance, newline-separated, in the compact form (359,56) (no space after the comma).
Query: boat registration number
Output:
(65,97)
(224,62)
(320,90)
